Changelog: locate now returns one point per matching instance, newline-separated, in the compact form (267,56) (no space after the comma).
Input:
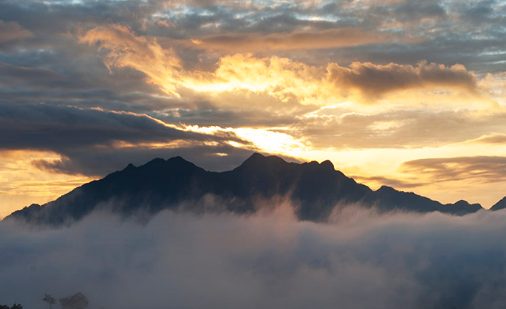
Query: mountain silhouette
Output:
(314,188)
(499,205)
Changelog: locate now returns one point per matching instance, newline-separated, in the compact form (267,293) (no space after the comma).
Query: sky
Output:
(404,93)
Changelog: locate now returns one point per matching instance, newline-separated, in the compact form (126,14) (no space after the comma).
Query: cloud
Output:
(263,261)
(395,183)
(281,78)
(450,32)
(127,50)
(372,81)
(397,128)
(35,78)
(12,31)
(253,42)
(96,142)
(478,168)
(491,139)
(278,77)
(47,127)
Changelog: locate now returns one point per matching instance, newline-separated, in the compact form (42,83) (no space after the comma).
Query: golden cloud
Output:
(279,77)
(282,78)
(125,50)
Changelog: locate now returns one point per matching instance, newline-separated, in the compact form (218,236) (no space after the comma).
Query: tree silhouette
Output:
(15,306)
(50,300)
(76,301)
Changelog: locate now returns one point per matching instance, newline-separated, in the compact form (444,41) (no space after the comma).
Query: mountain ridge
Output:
(316,188)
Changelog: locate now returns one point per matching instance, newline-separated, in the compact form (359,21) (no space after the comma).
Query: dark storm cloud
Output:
(272,261)
(478,168)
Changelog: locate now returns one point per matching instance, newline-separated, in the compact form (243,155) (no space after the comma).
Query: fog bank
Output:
(269,260)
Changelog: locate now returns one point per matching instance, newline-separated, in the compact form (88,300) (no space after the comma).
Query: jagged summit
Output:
(316,188)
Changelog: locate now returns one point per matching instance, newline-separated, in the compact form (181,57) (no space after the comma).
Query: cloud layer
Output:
(269,261)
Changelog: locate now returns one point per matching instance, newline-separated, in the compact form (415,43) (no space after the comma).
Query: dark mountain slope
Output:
(499,205)
(163,184)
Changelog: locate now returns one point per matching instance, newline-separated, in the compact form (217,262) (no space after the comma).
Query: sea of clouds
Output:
(360,259)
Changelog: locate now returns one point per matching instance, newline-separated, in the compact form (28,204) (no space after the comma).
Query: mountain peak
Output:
(129,167)
(177,158)
(257,160)
(462,202)
(256,156)
(385,189)
(327,164)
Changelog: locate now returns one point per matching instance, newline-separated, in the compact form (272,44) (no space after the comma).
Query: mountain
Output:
(315,188)
(499,205)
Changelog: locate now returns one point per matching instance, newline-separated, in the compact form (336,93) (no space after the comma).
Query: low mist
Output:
(359,259)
